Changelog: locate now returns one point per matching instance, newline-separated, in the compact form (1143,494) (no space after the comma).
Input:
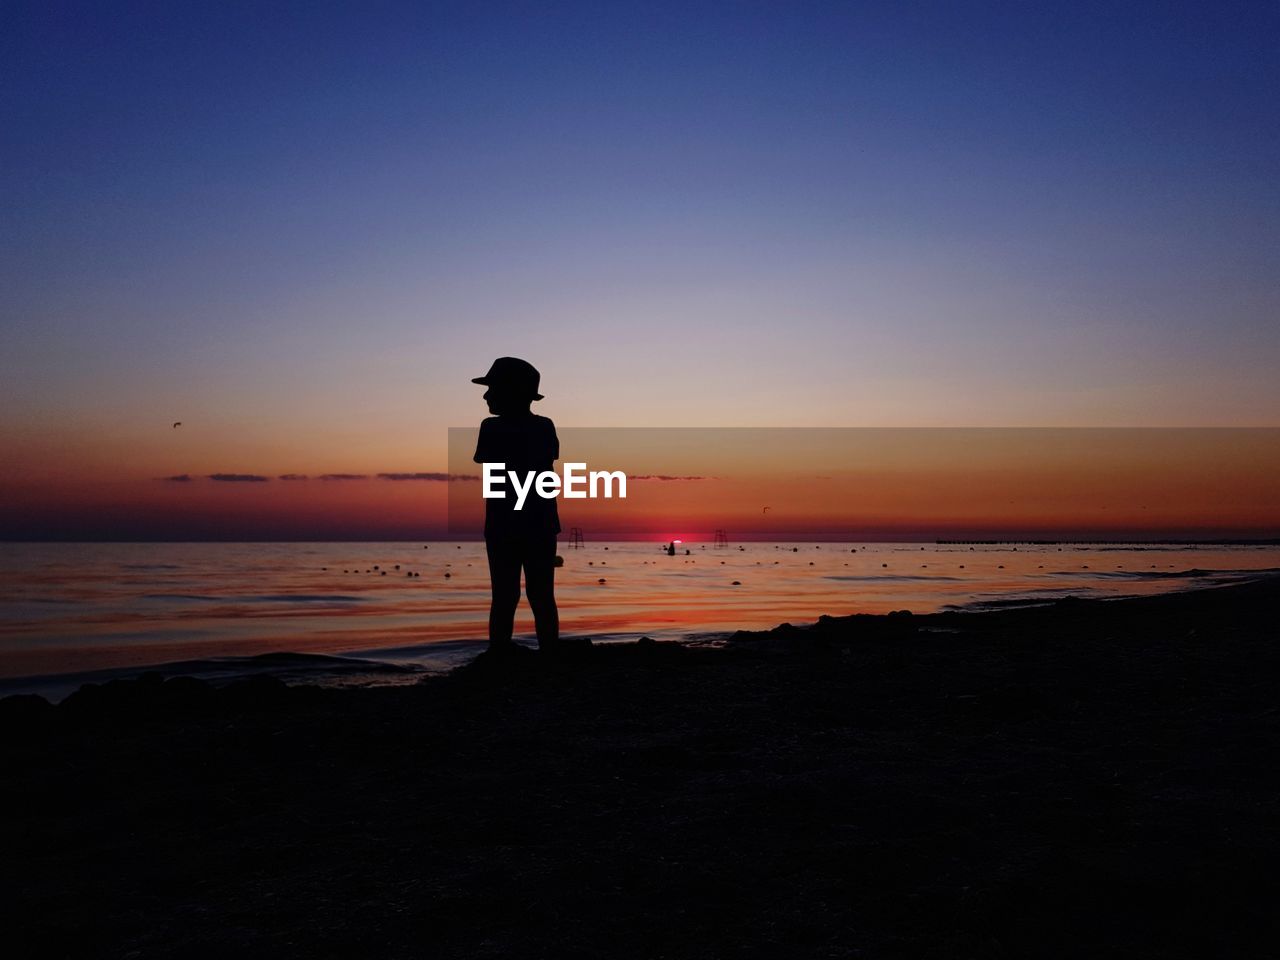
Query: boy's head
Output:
(512,383)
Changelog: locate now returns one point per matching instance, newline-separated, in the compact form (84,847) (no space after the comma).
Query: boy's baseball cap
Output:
(512,372)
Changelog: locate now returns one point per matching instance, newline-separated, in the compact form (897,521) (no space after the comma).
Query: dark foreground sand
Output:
(1081,780)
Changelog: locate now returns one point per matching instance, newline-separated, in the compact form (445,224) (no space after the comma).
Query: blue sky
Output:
(307,226)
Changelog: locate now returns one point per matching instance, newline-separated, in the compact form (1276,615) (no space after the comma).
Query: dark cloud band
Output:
(433,477)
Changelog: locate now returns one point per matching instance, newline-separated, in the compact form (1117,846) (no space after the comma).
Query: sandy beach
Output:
(1084,778)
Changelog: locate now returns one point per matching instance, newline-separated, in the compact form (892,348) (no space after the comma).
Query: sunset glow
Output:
(846,218)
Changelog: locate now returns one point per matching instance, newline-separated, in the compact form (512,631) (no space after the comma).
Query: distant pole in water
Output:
(575,537)
(722,540)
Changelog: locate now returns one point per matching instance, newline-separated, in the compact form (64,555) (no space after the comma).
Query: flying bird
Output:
(764,511)
(177,424)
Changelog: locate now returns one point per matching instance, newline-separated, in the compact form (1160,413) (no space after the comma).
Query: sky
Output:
(300,229)
(882,484)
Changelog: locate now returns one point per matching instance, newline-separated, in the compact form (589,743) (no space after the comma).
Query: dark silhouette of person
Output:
(526,538)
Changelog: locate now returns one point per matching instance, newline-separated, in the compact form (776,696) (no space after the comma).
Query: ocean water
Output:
(71,612)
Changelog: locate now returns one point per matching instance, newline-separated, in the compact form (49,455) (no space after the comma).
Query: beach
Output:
(615,481)
(383,612)
(1084,777)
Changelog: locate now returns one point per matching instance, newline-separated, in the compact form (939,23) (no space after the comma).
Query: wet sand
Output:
(1087,778)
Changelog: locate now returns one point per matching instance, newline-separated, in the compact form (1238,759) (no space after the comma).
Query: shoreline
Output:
(1089,776)
(435,658)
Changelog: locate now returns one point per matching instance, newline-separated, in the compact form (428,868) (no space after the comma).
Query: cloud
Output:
(664,476)
(436,477)
(260,478)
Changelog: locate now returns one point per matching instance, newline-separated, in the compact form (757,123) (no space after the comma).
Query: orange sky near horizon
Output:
(817,483)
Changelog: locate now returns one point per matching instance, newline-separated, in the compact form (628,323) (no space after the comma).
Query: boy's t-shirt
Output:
(524,443)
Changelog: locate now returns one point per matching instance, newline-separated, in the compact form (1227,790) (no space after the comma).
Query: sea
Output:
(382,613)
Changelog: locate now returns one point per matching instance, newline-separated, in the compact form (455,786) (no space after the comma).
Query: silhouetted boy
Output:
(524,538)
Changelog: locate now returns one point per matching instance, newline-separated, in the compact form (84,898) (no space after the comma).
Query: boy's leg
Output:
(504,581)
(539,586)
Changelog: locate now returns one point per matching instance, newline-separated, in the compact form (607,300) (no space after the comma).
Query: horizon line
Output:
(976,541)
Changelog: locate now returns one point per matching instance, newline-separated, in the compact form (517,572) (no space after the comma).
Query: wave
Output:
(265,598)
(1039,598)
(903,577)
(1193,574)
(285,666)
(415,651)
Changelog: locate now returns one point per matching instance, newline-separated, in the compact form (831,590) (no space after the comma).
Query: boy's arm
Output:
(484,442)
